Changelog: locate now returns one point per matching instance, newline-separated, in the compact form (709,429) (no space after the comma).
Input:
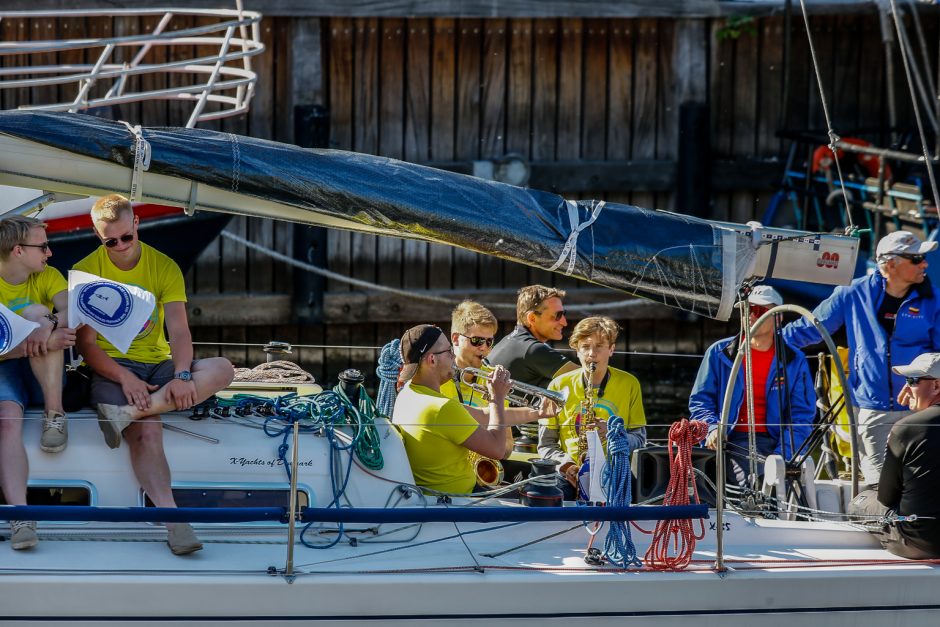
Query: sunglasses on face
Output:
(914,259)
(759,310)
(111,242)
(44,247)
(913,381)
(558,315)
(477,341)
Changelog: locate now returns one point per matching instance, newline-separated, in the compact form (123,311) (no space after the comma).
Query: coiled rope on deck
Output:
(618,547)
(677,536)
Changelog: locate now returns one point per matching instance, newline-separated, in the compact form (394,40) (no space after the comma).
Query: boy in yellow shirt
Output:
(31,372)
(616,393)
(156,375)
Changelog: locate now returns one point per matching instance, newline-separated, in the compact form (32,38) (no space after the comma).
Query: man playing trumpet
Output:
(610,392)
(472,331)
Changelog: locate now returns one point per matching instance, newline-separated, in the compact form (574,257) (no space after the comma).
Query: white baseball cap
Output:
(926,365)
(765,295)
(902,243)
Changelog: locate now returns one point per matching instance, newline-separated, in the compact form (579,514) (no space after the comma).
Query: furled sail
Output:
(677,260)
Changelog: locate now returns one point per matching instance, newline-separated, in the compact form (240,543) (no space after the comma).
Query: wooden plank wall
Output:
(444,89)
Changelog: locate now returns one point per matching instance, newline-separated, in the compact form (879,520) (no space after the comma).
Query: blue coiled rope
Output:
(390,364)
(618,547)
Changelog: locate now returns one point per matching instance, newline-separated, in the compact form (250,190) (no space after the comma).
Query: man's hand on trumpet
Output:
(498,384)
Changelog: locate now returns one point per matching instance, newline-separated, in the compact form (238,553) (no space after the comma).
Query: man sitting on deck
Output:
(908,482)
(132,390)
(33,370)
(439,432)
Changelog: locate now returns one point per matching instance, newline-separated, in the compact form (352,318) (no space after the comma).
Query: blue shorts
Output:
(18,384)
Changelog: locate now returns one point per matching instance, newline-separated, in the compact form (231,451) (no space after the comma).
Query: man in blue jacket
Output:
(890,317)
(784,399)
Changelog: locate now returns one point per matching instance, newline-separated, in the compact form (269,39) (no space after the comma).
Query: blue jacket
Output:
(708,394)
(873,352)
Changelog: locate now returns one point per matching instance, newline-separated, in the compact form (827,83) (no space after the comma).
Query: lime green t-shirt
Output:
(434,428)
(154,272)
(622,397)
(38,289)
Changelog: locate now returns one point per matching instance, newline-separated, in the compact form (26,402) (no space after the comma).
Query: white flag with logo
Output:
(115,310)
(13,329)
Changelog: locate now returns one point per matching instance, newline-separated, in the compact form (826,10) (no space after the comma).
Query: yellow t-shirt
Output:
(154,272)
(622,397)
(38,289)
(433,428)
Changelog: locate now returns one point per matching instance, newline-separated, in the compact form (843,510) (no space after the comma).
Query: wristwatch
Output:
(184,375)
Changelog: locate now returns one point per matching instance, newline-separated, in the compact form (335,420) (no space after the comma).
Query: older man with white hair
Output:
(890,317)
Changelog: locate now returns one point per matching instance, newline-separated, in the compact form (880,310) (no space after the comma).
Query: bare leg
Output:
(145,438)
(48,370)
(14,465)
(209,375)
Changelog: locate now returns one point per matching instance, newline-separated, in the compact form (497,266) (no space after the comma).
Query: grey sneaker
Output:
(112,420)
(182,539)
(55,432)
(23,534)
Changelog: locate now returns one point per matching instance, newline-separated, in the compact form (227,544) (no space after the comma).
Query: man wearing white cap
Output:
(908,482)
(784,398)
(890,317)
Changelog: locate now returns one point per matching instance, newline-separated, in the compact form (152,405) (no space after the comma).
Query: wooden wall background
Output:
(444,89)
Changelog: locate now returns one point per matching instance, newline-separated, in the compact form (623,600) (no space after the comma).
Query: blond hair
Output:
(111,208)
(14,231)
(471,313)
(531,298)
(596,325)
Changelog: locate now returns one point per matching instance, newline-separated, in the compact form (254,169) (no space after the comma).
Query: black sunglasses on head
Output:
(912,381)
(478,341)
(111,242)
(914,259)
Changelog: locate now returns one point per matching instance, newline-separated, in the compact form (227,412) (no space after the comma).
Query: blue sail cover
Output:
(672,259)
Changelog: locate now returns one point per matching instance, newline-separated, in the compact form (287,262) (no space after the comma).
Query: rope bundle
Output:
(390,364)
(618,547)
(279,371)
(678,535)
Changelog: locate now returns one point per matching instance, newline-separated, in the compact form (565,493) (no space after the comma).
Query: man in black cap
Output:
(908,482)
(439,432)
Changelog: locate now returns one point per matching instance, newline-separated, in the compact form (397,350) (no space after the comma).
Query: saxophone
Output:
(489,472)
(588,424)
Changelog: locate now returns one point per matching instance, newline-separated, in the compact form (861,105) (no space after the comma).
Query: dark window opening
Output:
(55,495)
(234,497)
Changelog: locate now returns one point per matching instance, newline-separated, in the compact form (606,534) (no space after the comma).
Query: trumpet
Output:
(520,394)
(489,472)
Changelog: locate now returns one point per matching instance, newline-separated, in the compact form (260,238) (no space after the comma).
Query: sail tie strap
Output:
(141,151)
(570,249)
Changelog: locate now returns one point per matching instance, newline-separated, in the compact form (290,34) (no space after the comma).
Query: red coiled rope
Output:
(678,534)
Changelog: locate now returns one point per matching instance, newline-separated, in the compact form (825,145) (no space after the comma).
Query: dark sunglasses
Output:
(558,314)
(759,310)
(44,247)
(914,259)
(912,381)
(111,242)
(478,341)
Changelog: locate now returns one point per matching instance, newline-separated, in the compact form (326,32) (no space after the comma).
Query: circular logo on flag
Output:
(108,304)
(6,334)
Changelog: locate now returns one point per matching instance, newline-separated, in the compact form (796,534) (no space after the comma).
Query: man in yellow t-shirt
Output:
(31,372)
(438,432)
(472,332)
(156,375)
(616,393)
